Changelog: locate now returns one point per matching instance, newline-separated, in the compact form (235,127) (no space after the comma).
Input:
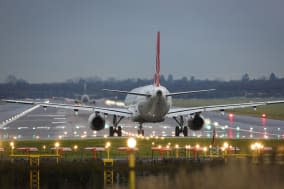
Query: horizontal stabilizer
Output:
(127,92)
(189,92)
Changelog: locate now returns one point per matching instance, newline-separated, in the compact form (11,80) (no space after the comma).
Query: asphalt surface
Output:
(53,123)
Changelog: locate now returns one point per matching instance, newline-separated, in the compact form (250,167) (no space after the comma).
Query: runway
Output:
(53,123)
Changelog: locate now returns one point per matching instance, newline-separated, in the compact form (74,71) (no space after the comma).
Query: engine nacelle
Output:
(96,122)
(196,123)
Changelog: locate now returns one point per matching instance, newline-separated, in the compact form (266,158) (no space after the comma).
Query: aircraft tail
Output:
(157,74)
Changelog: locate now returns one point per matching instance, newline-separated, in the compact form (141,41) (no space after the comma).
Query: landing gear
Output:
(115,128)
(185,131)
(181,128)
(140,130)
(111,131)
(119,132)
(177,131)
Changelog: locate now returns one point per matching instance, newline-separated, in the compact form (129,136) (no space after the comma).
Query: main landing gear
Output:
(115,128)
(180,128)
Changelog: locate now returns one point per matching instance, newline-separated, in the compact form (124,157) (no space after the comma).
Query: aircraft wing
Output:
(175,112)
(123,112)
(105,110)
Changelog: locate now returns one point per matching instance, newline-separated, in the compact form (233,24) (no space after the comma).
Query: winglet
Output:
(157,74)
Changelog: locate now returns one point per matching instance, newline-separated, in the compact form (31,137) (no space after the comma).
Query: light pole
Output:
(196,149)
(187,151)
(256,148)
(108,144)
(44,147)
(12,145)
(75,147)
(177,150)
(204,152)
(131,143)
(225,147)
(168,148)
(56,145)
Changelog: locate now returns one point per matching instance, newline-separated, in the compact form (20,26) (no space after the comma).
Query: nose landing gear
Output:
(140,130)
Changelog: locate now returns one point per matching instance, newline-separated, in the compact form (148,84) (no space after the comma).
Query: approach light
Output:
(256,146)
(108,144)
(225,145)
(12,145)
(197,146)
(75,147)
(231,115)
(56,144)
(131,143)
(263,115)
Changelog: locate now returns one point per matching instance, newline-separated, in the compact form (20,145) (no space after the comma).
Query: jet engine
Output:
(196,123)
(96,122)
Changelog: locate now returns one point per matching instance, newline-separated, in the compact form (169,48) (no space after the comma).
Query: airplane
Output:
(84,98)
(150,104)
(79,98)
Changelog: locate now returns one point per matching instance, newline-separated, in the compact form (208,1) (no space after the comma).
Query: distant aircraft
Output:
(151,103)
(84,98)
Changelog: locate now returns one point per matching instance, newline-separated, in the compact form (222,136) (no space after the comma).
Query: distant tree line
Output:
(244,87)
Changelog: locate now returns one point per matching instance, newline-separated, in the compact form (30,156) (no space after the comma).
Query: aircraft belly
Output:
(152,112)
(146,119)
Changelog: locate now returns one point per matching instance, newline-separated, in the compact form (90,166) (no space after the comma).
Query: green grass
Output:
(144,146)
(272,111)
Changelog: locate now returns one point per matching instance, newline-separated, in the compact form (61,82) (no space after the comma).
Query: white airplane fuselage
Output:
(152,108)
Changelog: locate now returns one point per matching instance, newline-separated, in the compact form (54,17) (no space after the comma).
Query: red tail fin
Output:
(157,74)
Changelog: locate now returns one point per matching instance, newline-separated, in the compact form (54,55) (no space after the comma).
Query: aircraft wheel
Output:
(140,132)
(119,132)
(177,131)
(185,131)
(111,131)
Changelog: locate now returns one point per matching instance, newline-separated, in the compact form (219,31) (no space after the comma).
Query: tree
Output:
(11,79)
(272,77)
(184,79)
(170,78)
(245,77)
(162,79)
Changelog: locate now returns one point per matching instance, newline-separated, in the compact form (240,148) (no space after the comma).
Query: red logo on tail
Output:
(157,74)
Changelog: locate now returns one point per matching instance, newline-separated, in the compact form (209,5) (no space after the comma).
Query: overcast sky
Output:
(54,40)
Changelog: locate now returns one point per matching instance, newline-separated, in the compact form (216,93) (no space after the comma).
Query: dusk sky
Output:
(55,40)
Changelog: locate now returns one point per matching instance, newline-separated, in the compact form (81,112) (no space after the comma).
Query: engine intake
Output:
(96,122)
(196,123)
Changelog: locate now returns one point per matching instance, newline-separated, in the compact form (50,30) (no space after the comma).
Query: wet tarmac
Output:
(52,123)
